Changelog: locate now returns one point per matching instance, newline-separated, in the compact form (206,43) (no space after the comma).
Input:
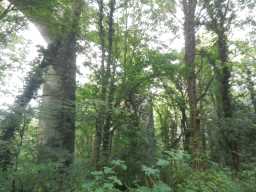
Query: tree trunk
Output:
(59,90)
(147,123)
(185,129)
(102,91)
(57,114)
(98,138)
(109,83)
(250,87)
(56,120)
(58,108)
(189,7)
(225,76)
(221,16)
(226,96)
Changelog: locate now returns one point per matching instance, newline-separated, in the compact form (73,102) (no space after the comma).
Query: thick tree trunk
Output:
(57,114)
(189,7)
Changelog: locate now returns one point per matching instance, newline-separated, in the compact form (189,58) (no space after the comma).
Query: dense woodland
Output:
(128,95)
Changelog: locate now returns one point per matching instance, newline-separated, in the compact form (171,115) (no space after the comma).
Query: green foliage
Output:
(159,187)
(248,178)
(139,72)
(209,181)
(170,173)
(105,180)
(29,176)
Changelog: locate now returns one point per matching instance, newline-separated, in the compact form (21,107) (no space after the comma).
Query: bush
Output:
(105,180)
(209,181)
(248,179)
(171,173)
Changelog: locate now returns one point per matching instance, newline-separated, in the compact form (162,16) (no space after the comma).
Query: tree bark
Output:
(57,124)
(226,97)
(109,83)
(56,120)
(219,23)
(185,129)
(225,76)
(250,87)
(57,114)
(102,91)
(147,124)
(189,8)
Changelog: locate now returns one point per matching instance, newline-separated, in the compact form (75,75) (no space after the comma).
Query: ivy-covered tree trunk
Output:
(221,16)
(10,124)
(226,97)
(225,75)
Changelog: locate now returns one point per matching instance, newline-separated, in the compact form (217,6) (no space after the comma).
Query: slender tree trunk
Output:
(102,92)
(173,135)
(185,130)
(147,123)
(98,138)
(164,128)
(109,78)
(103,136)
(250,87)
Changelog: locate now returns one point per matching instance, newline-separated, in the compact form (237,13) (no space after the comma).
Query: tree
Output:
(57,116)
(62,48)
(221,16)
(189,8)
